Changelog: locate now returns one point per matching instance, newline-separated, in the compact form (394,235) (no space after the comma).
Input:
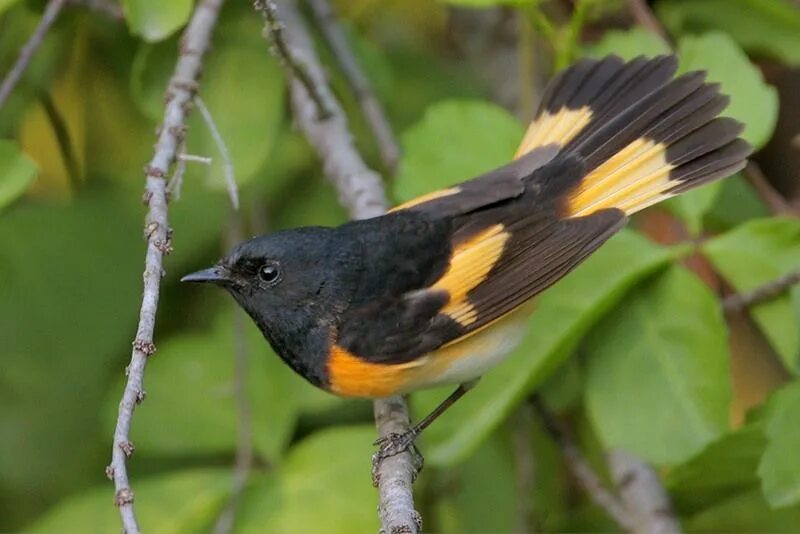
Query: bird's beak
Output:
(214,275)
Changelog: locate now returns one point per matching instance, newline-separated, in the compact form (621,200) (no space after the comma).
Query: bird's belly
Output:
(470,358)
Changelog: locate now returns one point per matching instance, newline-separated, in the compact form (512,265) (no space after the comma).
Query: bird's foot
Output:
(393,444)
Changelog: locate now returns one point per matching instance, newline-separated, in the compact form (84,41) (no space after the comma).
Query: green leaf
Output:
(185,501)
(779,468)
(753,102)
(746,513)
(656,384)
(753,254)
(563,314)
(762,27)
(692,206)
(324,486)
(5,4)
(490,3)
(628,44)
(249,123)
(17,172)
(194,375)
(154,20)
(725,467)
(454,141)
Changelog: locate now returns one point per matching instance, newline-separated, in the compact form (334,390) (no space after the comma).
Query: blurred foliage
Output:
(655,372)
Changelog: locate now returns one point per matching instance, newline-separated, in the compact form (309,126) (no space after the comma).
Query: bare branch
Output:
(770,290)
(294,65)
(642,494)
(230,178)
(205,160)
(582,470)
(525,468)
(361,192)
(180,91)
(49,16)
(371,107)
(774,200)
(644,16)
(244,437)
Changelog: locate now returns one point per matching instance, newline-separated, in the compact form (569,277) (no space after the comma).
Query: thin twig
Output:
(296,66)
(644,16)
(180,91)
(205,160)
(770,290)
(371,107)
(361,192)
(525,469)
(175,183)
(244,417)
(642,494)
(227,164)
(774,200)
(582,470)
(49,16)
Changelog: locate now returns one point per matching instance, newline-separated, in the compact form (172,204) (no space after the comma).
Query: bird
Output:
(438,290)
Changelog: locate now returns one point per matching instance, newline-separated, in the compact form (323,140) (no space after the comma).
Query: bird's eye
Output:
(270,273)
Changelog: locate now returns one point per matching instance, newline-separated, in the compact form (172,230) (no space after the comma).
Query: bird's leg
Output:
(392,444)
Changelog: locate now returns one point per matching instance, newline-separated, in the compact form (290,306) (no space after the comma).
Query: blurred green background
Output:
(632,351)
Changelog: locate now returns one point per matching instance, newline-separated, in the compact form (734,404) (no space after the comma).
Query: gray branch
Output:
(371,107)
(642,494)
(180,91)
(49,16)
(361,193)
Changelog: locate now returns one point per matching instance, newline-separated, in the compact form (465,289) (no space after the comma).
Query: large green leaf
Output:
(17,172)
(154,20)
(185,501)
(779,468)
(753,254)
(563,314)
(746,513)
(5,4)
(628,44)
(454,141)
(725,467)
(657,380)
(190,391)
(766,27)
(753,102)
(324,486)
(242,87)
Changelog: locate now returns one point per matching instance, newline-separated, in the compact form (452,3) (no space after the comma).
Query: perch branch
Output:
(371,107)
(774,200)
(642,494)
(768,291)
(582,470)
(644,16)
(361,192)
(180,91)
(51,12)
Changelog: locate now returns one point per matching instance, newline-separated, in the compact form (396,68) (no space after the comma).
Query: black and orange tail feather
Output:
(642,135)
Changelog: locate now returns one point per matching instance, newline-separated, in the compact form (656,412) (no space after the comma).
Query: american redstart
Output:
(434,291)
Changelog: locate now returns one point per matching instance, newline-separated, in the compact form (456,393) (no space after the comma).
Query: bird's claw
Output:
(393,444)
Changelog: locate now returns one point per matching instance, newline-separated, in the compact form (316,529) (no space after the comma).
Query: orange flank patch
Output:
(433,195)
(351,376)
(554,128)
(469,266)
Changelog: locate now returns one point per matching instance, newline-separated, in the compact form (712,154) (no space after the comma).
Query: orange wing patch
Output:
(351,376)
(469,266)
(554,128)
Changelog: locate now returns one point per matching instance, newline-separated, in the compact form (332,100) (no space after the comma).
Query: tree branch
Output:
(49,16)
(180,91)
(642,494)
(768,291)
(774,200)
(371,107)
(582,470)
(644,16)
(361,193)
